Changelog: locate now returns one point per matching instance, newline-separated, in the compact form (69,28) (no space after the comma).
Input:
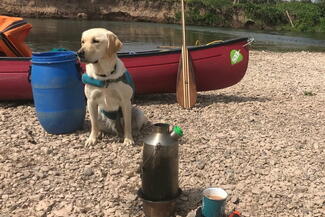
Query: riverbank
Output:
(114,10)
(263,140)
(289,16)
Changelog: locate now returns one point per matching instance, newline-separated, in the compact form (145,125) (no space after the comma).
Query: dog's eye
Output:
(82,42)
(95,41)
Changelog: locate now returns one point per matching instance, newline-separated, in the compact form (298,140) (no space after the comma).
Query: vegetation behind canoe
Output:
(255,14)
(275,15)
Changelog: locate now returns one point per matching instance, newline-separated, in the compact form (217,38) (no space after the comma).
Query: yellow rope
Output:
(213,42)
(198,43)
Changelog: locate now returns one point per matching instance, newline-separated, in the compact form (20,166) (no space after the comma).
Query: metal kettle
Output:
(159,171)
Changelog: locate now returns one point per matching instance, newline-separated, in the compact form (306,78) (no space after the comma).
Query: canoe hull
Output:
(212,66)
(14,84)
(152,71)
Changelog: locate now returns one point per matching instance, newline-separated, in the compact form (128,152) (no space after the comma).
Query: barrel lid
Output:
(53,56)
(178,130)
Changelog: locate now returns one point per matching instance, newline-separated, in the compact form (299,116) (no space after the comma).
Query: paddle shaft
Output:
(184,60)
(183,24)
(188,86)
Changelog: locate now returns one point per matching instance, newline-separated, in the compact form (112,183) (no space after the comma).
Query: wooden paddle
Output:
(185,87)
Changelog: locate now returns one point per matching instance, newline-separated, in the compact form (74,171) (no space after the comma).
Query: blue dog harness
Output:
(126,78)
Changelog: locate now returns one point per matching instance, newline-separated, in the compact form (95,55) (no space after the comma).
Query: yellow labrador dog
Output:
(108,86)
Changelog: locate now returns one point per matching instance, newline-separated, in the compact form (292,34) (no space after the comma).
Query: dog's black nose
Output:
(81,53)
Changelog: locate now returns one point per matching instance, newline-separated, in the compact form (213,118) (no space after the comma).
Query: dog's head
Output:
(98,43)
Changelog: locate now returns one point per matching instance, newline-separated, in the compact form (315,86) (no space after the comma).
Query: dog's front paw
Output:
(128,141)
(91,141)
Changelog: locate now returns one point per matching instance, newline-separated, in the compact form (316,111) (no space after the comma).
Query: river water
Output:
(61,33)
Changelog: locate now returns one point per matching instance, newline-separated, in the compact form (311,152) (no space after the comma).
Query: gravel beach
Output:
(262,140)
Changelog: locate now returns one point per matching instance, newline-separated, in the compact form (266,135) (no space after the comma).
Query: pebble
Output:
(235,200)
(115,171)
(201,165)
(5,197)
(88,171)
(130,197)
(45,168)
(183,198)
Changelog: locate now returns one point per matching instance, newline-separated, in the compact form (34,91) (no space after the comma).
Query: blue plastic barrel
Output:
(58,91)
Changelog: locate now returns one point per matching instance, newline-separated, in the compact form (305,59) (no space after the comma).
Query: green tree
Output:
(213,4)
(209,12)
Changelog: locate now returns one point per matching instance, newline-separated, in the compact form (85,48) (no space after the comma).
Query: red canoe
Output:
(216,66)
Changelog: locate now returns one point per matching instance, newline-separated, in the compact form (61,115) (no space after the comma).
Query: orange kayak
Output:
(13,31)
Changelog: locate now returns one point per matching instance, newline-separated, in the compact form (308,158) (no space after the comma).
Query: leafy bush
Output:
(209,12)
(321,6)
(267,13)
(213,4)
(322,24)
(306,16)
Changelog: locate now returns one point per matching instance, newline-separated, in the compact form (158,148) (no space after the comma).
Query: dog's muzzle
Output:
(81,55)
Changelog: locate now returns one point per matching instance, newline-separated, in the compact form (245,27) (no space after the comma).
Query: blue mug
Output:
(214,201)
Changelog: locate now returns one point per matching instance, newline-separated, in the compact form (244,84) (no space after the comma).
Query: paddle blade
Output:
(186,86)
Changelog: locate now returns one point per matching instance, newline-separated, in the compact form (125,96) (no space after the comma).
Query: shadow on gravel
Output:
(137,136)
(85,127)
(13,104)
(155,99)
(202,99)
(164,99)
(189,200)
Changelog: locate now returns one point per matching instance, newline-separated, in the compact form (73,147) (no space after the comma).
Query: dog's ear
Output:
(114,44)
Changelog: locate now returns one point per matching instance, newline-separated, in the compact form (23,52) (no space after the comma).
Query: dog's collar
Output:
(112,72)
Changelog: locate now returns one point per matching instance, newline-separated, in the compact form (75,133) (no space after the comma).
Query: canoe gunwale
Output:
(178,50)
(156,52)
